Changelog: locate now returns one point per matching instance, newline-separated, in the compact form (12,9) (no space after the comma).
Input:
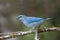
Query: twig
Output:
(20,33)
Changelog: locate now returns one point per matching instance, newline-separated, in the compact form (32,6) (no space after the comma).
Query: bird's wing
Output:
(33,19)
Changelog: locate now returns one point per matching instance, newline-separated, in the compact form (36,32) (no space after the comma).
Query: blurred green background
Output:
(37,8)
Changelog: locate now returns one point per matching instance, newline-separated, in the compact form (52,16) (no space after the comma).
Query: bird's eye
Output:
(20,16)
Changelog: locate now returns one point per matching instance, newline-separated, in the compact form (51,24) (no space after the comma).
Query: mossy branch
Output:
(20,33)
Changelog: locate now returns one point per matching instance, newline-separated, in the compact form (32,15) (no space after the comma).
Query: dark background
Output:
(37,8)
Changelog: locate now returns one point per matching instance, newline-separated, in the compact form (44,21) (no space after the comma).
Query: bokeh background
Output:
(10,9)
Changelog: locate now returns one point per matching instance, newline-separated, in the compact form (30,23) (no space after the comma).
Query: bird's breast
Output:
(33,24)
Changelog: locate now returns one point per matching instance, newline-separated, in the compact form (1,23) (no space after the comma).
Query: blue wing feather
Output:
(33,19)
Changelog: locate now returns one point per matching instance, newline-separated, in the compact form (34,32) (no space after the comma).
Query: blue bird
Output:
(32,22)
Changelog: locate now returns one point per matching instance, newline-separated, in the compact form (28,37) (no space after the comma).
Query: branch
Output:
(49,29)
(20,33)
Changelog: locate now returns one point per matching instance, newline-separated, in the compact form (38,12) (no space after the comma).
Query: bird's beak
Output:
(17,18)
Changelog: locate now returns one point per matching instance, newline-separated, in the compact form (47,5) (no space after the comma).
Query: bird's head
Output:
(21,17)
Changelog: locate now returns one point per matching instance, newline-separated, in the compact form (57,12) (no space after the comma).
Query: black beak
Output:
(17,18)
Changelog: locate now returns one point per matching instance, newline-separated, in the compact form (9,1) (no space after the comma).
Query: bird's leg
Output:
(36,35)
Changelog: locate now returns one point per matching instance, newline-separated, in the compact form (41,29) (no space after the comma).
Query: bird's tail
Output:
(48,18)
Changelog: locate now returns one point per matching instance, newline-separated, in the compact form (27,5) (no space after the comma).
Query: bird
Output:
(32,22)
